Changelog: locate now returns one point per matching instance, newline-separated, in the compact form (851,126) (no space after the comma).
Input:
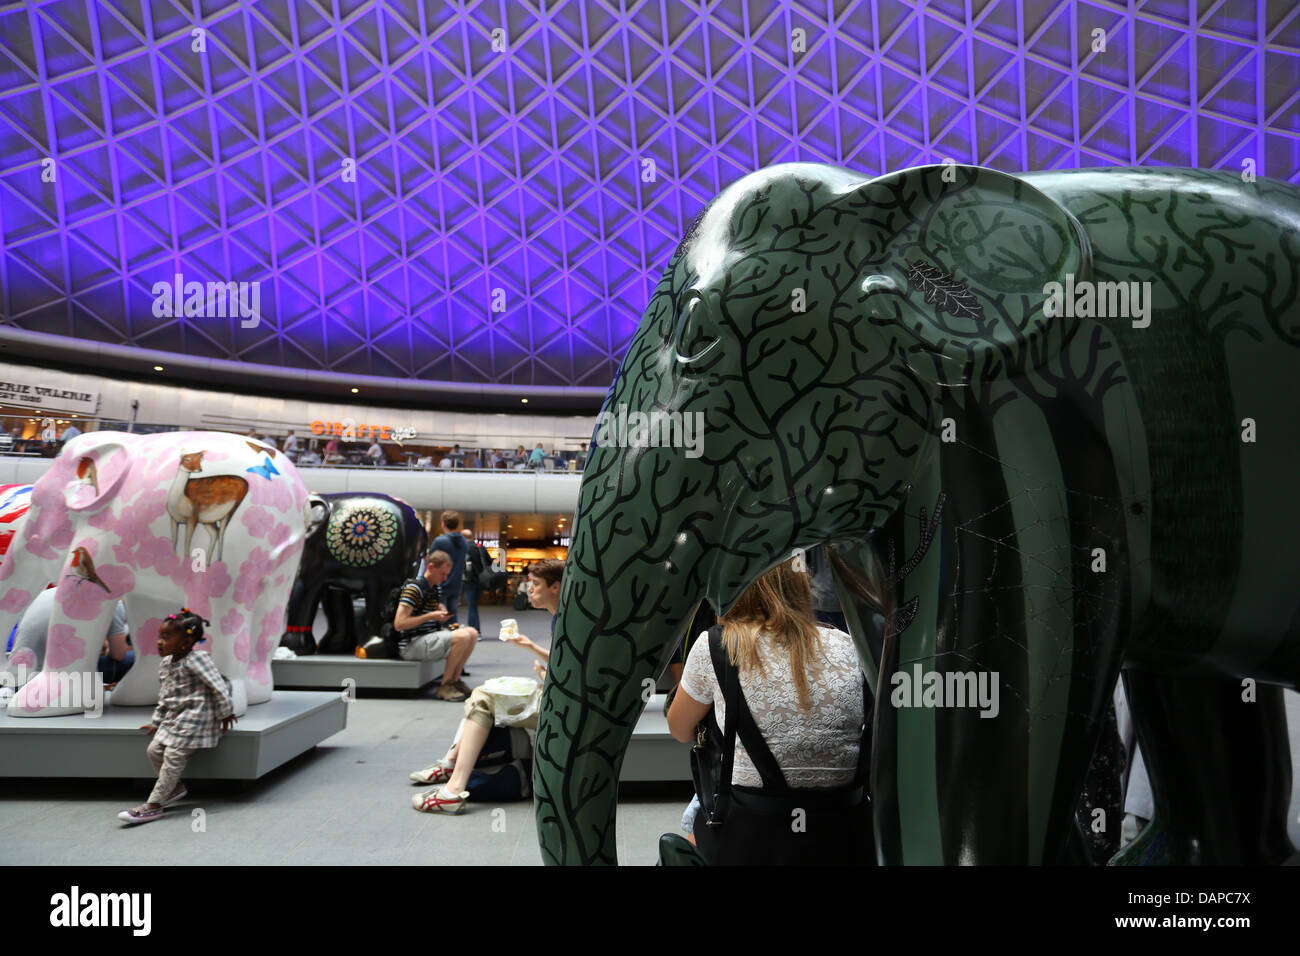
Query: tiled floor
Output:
(347,802)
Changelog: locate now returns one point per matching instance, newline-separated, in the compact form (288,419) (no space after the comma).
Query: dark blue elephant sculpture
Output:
(363,544)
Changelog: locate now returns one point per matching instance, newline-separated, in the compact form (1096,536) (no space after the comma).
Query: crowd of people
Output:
(780,655)
(335,451)
(801,739)
(46,440)
(307,452)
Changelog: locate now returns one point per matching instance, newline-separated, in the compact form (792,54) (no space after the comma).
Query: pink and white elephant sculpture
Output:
(203,520)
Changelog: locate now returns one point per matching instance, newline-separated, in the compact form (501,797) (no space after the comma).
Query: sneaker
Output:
(438,800)
(140,814)
(180,793)
(450,692)
(461,686)
(440,772)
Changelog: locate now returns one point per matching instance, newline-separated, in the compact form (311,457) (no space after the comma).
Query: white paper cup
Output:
(509,629)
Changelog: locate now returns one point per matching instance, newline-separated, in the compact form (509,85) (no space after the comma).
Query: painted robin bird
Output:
(84,567)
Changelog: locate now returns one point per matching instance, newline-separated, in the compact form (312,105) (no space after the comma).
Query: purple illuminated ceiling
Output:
(525,170)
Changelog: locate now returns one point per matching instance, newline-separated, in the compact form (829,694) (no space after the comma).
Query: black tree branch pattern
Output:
(824,326)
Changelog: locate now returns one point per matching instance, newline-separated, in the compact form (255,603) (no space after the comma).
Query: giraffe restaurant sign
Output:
(348,428)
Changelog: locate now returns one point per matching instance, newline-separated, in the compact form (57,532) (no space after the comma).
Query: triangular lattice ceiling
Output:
(522,171)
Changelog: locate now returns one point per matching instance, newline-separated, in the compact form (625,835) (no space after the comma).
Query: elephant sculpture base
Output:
(112,745)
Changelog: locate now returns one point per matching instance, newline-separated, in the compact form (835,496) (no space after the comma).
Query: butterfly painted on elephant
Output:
(266,469)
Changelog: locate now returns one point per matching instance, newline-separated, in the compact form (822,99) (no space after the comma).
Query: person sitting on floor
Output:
(452,772)
(422,627)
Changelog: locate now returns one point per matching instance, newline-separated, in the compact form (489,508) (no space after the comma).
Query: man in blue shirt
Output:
(453,543)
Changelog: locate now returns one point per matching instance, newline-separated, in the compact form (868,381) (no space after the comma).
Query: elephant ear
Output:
(974,254)
(97,464)
(318,513)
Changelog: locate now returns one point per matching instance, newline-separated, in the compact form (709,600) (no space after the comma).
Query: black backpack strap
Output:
(863,772)
(740,722)
(729,685)
(760,755)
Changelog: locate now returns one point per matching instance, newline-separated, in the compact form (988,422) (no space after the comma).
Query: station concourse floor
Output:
(349,800)
(346,802)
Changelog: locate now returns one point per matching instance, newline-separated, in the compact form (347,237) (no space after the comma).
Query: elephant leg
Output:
(338,612)
(1220,770)
(230,642)
(266,626)
(69,681)
(145,614)
(1001,654)
(28,653)
(303,601)
(1100,810)
(376,593)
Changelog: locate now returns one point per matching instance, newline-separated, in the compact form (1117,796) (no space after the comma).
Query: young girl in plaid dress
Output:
(194,710)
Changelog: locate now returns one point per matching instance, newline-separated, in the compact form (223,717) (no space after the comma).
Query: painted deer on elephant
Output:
(209,501)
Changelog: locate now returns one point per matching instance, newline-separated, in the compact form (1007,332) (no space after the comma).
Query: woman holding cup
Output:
(451,773)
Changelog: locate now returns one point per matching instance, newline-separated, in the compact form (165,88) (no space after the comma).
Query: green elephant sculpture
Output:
(1041,419)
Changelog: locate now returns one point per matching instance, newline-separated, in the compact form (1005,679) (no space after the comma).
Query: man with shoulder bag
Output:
(425,631)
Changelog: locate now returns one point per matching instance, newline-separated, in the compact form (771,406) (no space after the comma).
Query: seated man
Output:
(422,631)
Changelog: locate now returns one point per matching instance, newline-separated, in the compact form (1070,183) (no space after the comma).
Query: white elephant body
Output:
(104,524)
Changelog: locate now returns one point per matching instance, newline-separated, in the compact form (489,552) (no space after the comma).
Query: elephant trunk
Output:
(625,601)
(23,575)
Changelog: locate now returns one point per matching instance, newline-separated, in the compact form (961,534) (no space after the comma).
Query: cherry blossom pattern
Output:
(146,641)
(64,647)
(257,567)
(16,601)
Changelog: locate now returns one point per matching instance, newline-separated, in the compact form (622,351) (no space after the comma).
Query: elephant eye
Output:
(692,339)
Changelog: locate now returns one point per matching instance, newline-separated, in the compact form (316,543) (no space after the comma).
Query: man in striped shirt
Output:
(423,632)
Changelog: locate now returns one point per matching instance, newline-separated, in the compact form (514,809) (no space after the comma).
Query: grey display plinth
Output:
(328,671)
(653,754)
(112,745)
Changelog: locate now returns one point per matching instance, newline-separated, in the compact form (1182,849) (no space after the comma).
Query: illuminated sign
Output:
(43,396)
(348,428)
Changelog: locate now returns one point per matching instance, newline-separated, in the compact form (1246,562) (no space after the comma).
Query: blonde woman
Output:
(803,686)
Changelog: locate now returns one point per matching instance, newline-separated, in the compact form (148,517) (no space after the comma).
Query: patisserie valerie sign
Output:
(43,396)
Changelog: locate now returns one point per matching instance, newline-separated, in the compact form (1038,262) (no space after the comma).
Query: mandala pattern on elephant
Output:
(361,536)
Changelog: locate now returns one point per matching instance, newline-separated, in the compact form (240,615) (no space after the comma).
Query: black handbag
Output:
(774,824)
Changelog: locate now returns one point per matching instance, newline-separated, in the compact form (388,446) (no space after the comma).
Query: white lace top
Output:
(814,748)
